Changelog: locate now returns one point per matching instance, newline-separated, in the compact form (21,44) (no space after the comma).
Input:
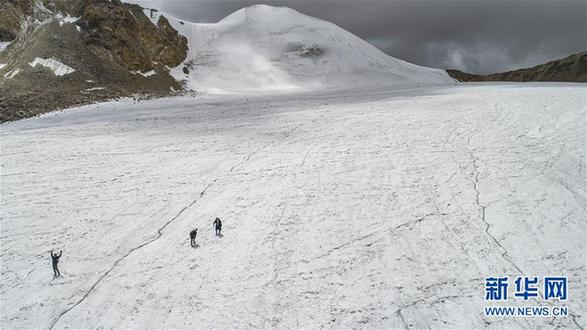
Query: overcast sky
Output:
(473,36)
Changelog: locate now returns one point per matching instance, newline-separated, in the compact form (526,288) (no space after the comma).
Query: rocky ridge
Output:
(572,68)
(111,49)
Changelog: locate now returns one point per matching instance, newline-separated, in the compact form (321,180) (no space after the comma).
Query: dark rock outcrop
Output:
(125,34)
(570,69)
(109,44)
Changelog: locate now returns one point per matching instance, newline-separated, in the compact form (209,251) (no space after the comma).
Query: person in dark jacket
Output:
(217,226)
(193,234)
(55,260)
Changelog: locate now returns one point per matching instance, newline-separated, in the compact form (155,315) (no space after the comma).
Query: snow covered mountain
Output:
(277,48)
(110,49)
(370,208)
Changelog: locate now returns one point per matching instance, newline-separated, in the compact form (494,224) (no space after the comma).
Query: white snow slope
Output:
(261,48)
(366,210)
(58,68)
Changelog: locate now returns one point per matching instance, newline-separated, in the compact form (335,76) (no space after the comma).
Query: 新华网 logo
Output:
(523,288)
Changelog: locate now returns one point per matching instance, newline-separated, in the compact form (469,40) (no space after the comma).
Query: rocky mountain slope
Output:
(59,53)
(571,68)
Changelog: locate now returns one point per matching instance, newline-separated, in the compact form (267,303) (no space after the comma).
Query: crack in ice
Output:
(482,207)
(131,251)
(504,255)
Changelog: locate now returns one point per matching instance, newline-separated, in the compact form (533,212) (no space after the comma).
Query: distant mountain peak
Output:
(263,48)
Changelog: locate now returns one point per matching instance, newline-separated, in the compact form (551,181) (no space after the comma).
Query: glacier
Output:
(356,191)
(372,208)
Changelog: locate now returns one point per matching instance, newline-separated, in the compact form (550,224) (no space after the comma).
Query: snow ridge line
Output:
(159,235)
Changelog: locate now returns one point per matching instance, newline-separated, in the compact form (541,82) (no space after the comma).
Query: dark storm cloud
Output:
(474,36)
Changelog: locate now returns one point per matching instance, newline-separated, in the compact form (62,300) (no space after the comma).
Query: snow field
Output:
(380,209)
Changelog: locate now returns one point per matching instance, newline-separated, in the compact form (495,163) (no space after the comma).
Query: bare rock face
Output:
(125,34)
(109,45)
(12,13)
(570,69)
